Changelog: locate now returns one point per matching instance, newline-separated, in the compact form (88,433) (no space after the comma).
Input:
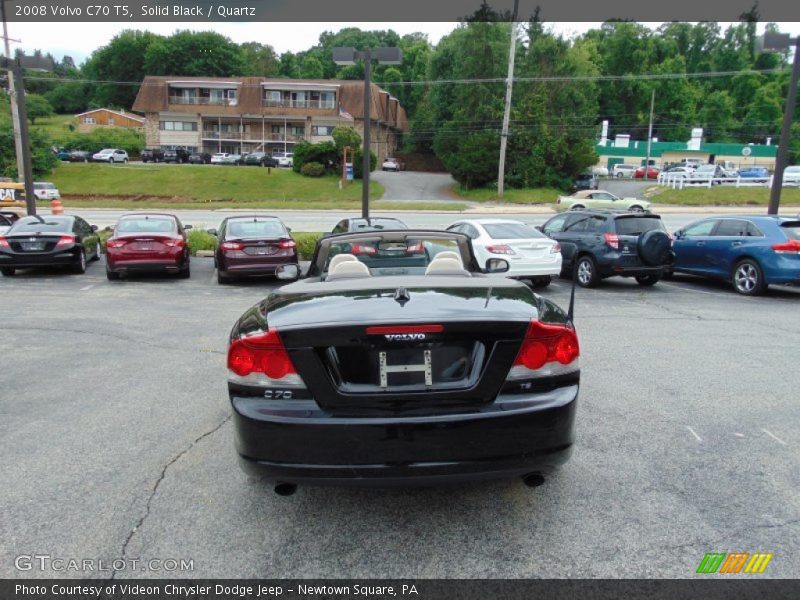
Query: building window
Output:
(322,130)
(177,125)
(89,120)
(110,120)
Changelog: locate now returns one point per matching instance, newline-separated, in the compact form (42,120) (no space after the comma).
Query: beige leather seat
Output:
(340,258)
(348,269)
(449,254)
(445,266)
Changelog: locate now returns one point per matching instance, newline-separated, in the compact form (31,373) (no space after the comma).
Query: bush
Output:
(201,240)
(306,242)
(130,140)
(358,161)
(324,153)
(312,169)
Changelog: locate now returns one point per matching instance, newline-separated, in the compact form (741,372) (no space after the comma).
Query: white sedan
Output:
(791,175)
(530,254)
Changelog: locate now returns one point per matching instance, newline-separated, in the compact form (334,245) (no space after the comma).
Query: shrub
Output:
(201,240)
(306,242)
(358,161)
(312,169)
(324,153)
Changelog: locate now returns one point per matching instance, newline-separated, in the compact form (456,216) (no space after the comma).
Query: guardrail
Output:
(678,182)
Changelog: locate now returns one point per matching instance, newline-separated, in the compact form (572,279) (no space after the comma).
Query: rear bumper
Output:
(145,266)
(253,266)
(296,442)
(22,261)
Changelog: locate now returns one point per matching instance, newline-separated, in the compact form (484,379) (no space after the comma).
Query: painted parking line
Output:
(87,288)
(687,289)
(694,433)
(774,437)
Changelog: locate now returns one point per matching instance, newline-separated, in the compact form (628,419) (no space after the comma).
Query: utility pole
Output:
(649,135)
(512,49)
(27,168)
(11,87)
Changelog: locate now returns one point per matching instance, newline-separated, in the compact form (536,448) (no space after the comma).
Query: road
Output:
(116,442)
(415,186)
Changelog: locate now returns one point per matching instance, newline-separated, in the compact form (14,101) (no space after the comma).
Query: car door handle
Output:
(736,243)
(701,243)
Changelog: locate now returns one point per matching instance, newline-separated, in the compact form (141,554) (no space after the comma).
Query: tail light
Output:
(612,239)
(548,349)
(417,248)
(363,249)
(286,244)
(65,240)
(500,249)
(4,243)
(232,246)
(262,359)
(175,243)
(111,243)
(790,247)
(555,248)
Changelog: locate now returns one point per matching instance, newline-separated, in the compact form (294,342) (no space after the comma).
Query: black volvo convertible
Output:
(398,360)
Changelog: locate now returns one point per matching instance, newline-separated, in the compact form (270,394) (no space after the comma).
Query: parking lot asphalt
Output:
(116,442)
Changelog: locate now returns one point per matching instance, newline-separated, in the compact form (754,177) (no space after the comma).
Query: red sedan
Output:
(652,173)
(146,243)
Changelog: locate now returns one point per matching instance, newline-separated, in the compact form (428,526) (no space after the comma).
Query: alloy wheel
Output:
(746,278)
(584,272)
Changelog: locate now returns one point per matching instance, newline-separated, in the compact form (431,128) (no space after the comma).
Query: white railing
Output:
(678,182)
(299,103)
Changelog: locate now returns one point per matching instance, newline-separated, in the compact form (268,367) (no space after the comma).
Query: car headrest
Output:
(445,266)
(449,254)
(340,258)
(349,270)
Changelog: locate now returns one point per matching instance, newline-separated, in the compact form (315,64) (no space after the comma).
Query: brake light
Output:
(555,248)
(790,247)
(548,349)
(500,249)
(612,239)
(363,249)
(261,359)
(398,329)
(232,246)
(174,243)
(115,243)
(417,248)
(285,244)
(65,240)
(4,243)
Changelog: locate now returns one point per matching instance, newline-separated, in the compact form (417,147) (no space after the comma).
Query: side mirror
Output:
(288,272)
(539,228)
(212,231)
(496,265)
(289,229)
(94,227)
(678,234)
(187,226)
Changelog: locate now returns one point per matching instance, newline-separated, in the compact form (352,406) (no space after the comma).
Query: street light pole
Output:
(783,146)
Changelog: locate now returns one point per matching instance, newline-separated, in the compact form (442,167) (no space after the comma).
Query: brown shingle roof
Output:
(152,96)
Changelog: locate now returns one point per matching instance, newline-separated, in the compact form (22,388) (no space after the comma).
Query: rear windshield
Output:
(45,226)
(638,225)
(146,225)
(376,224)
(254,229)
(511,231)
(43,186)
(791,229)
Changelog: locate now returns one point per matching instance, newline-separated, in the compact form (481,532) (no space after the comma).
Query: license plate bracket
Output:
(385,368)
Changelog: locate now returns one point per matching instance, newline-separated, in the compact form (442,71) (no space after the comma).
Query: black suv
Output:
(176,155)
(152,154)
(596,244)
(586,181)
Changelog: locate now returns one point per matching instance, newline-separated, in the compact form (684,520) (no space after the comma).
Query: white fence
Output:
(678,182)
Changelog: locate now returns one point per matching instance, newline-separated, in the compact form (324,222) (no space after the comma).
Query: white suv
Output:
(623,170)
(285,159)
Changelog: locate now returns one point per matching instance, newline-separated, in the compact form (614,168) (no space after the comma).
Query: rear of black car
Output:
(348,385)
(43,241)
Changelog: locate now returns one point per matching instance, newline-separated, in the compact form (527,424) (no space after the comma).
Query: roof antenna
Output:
(571,310)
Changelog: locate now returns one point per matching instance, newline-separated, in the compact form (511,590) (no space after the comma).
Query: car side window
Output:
(457,228)
(341,227)
(554,225)
(700,229)
(731,228)
(753,231)
(576,223)
(471,231)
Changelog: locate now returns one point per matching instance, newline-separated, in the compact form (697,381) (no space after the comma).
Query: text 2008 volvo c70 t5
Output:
(402,372)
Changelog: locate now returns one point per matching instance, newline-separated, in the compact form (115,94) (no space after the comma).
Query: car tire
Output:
(222,279)
(86,160)
(636,209)
(79,268)
(8,271)
(620,175)
(667,274)
(96,252)
(748,278)
(577,207)
(654,247)
(111,276)
(647,280)
(124,161)
(185,272)
(541,282)
(586,274)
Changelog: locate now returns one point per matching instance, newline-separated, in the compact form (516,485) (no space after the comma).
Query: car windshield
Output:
(792,170)
(48,225)
(638,225)
(106,151)
(511,231)
(146,225)
(405,255)
(44,186)
(254,228)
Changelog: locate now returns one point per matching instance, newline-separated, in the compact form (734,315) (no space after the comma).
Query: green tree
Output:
(311,68)
(200,54)
(42,158)
(37,107)
(344,135)
(289,66)
(260,60)
(72,97)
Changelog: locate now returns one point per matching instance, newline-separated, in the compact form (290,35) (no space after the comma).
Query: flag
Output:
(343,114)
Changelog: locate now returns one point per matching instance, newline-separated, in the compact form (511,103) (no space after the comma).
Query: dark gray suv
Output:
(596,244)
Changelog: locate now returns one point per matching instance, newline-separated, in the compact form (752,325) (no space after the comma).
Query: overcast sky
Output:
(79,40)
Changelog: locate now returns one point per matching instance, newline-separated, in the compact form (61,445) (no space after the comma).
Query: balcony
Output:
(324,104)
(196,100)
(250,136)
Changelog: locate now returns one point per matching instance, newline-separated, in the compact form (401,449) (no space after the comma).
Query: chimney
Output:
(604,134)
(622,140)
(697,139)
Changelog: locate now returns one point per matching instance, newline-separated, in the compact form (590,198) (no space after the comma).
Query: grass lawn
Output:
(56,125)
(723,196)
(149,185)
(523,196)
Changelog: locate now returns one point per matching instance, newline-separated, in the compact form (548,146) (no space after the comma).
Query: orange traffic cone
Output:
(56,208)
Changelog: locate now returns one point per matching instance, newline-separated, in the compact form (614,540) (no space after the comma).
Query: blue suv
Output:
(751,252)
